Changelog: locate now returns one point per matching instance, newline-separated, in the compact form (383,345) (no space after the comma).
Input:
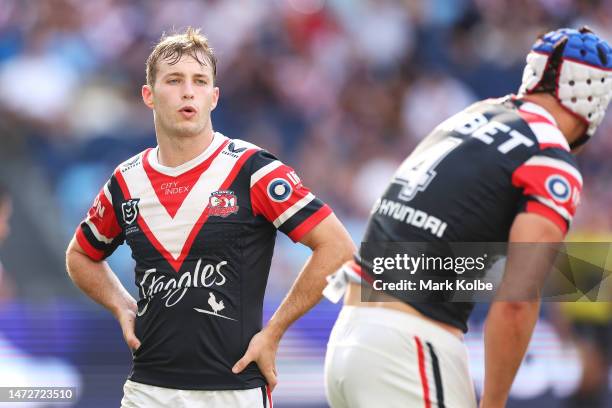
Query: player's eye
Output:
(201,82)
(173,81)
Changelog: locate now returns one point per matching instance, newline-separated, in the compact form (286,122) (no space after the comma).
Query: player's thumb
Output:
(131,339)
(133,342)
(129,336)
(271,379)
(242,363)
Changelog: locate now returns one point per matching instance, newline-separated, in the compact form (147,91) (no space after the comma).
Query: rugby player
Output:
(500,171)
(200,213)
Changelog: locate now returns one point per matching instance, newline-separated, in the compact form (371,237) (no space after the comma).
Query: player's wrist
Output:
(274,331)
(126,306)
(489,400)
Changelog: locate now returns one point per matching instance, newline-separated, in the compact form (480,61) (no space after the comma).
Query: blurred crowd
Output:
(341,89)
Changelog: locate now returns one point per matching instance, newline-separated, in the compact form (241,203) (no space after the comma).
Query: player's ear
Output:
(215,98)
(147,96)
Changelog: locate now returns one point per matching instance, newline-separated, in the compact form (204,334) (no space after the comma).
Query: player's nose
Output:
(188,92)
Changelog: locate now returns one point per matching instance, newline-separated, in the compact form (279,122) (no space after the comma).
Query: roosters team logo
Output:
(222,203)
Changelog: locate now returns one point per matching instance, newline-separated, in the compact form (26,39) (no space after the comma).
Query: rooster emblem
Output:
(222,203)
(214,305)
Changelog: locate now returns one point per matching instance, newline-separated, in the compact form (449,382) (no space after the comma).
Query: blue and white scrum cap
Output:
(575,66)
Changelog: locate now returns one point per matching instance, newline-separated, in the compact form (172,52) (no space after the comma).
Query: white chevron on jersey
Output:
(172,233)
(291,211)
(99,236)
(548,134)
(107,193)
(538,110)
(555,164)
(261,173)
(546,131)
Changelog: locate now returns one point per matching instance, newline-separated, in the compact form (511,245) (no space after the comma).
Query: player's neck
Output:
(174,151)
(571,127)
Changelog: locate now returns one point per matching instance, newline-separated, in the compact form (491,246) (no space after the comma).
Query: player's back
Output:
(469,178)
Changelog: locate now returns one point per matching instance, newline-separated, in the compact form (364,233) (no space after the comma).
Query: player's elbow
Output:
(516,311)
(330,237)
(74,258)
(343,247)
(343,242)
(71,261)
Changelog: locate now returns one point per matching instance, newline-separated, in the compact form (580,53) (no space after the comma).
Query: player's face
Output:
(5,215)
(182,97)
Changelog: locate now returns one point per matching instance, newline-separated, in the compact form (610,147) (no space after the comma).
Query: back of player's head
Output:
(173,47)
(575,66)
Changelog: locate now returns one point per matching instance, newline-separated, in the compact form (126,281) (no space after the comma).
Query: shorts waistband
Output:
(403,322)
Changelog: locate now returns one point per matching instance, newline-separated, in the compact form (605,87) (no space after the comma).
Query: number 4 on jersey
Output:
(416,172)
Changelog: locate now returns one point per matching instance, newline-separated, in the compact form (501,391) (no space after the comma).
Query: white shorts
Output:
(138,395)
(385,358)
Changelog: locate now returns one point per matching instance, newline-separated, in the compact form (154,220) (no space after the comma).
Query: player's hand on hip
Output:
(127,319)
(262,350)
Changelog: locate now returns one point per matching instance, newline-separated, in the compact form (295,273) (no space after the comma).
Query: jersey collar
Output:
(217,141)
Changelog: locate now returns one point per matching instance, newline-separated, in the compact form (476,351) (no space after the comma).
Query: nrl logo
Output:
(222,203)
(130,210)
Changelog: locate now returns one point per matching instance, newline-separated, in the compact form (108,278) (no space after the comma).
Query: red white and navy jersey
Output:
(202,235)
(468,180)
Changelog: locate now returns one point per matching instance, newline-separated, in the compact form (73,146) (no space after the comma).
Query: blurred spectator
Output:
(6,284)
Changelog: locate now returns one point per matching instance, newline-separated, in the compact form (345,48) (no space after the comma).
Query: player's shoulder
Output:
(544,127)
(239,145)
(259,157)
(556,159)
(559,154)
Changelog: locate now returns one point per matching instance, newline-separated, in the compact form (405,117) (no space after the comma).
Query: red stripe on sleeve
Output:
(91,252)
(532,179)
(422,373)
(261,200)
(536,207)
(531,117)
(309,223)
(102,215)
(552,145)
(260,203)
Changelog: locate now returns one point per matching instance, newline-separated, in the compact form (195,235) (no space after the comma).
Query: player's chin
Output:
(187,129)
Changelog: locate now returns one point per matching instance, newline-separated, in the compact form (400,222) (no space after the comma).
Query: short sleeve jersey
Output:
(202,235)
(468,180)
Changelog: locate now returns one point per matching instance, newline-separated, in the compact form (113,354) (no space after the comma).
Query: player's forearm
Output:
(307,290)
(507,333)
(98,281)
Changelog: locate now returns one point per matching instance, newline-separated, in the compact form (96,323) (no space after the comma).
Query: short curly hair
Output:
(173,47)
